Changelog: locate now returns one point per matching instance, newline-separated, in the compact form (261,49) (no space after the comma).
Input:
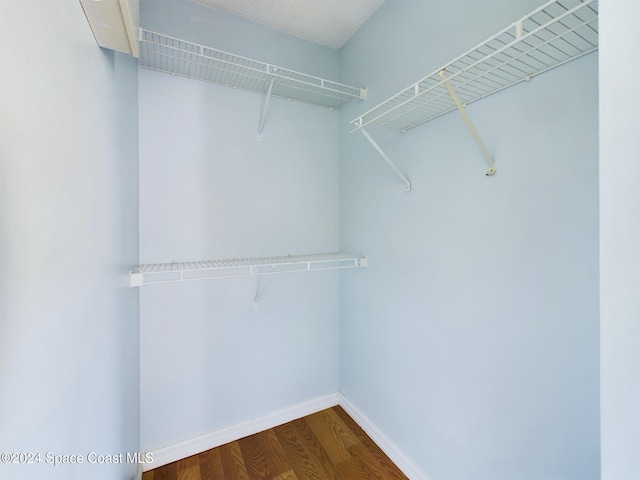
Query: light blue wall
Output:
(620,239)
(68,236)
(209,189)
(472,341)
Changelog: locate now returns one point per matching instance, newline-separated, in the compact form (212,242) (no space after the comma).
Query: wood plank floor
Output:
(327,445)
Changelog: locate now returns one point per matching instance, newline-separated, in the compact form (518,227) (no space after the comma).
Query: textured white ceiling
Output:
(326,22)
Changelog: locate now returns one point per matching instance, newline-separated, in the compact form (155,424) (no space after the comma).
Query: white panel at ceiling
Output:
(114,23)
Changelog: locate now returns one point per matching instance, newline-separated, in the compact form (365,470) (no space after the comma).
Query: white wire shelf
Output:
(241,267)
(556,33)
(179,57)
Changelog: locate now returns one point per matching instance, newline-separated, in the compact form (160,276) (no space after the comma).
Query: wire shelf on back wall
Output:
(554,34)
(241,267)
(179,57)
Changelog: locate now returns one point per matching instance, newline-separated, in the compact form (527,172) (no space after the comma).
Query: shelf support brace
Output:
(261,288)
(264,110)
(407,183)
(467,120)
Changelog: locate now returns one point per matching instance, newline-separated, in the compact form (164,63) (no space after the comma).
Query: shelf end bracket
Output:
(467,120)
(136,279)
(407,183)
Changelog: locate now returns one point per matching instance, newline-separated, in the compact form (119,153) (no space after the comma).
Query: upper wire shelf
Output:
(241,267)
(179,57)
(556,33)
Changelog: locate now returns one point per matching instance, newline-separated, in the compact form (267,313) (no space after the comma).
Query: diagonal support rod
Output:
(264,110)
(467,120)
(261,288)
(407,183)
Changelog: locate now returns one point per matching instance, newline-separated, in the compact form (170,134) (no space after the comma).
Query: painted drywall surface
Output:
(620,239)
(209,189)
(472,340)
(68,235)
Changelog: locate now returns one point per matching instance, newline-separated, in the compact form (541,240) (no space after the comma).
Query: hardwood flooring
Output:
(327,445)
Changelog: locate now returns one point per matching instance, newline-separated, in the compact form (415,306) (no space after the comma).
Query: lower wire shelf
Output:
(240,267)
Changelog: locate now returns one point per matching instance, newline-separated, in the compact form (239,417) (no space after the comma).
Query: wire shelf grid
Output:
(178,57)
(556,33)
(241,267)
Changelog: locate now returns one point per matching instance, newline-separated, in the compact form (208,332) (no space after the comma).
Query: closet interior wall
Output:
(69,344)
(472,340)
(209,189)
(619,240)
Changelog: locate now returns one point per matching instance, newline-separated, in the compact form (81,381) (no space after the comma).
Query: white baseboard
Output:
(178,451)
(380,439)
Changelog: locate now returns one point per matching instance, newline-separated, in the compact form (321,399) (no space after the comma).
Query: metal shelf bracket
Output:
(264,109)
(407,183)
(467,120)
(260,288)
